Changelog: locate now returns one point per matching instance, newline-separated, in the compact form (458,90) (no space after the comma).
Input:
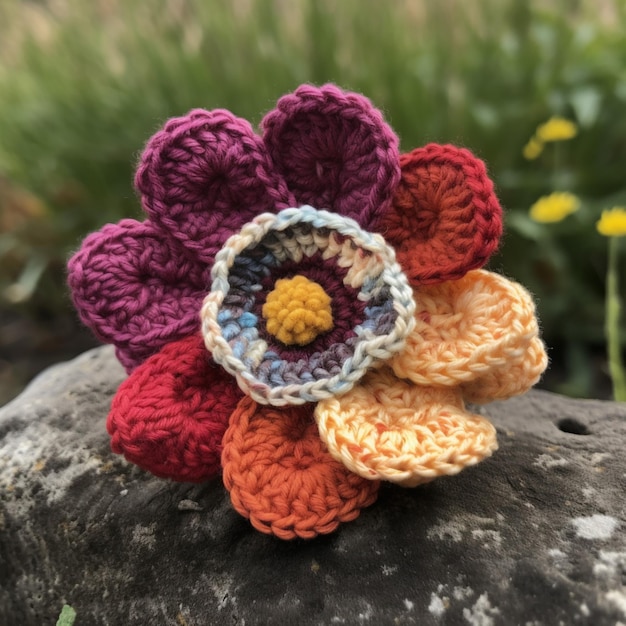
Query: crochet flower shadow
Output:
(304,310)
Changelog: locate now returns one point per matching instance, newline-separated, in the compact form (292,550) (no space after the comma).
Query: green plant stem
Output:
(616,365)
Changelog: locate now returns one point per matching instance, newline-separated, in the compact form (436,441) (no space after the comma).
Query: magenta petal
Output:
(335,151)
(204,176)
(135,288)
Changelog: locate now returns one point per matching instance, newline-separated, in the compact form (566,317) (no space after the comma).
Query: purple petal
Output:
(204,176)
(335,152)
(136,289)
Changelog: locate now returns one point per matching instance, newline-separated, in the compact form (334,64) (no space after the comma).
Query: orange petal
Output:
(280,475)
(468,328)
(390,429)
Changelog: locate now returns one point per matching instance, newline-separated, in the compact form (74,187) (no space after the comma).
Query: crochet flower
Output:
(303,310)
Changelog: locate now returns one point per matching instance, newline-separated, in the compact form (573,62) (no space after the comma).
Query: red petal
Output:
(170,415)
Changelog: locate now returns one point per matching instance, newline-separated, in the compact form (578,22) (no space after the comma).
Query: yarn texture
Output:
(230,327)
(281,476)
(297,311)
(304,310)
(387,429)
(171,415)
(445,218)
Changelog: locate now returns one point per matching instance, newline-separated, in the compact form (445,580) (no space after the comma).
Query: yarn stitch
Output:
(480,324)
(230,327)
(282,478)
(171,423)
(392,430)
(297,311)
(445,218)
(305,432)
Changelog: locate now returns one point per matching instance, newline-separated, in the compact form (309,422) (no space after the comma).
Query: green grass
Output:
(84,84)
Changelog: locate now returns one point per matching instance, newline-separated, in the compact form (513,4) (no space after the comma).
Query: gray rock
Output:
(536,535)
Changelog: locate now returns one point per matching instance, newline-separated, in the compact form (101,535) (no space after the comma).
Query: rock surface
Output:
(534,536)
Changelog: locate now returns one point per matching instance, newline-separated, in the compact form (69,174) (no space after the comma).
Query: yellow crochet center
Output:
(297,311)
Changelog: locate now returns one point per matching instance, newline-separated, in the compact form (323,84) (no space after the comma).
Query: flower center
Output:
(297,310)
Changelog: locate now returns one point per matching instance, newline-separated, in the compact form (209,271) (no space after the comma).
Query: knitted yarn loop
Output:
(169,417)
(404,433)
(445,218)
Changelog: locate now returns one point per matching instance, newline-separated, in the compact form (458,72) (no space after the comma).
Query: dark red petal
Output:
(445,218)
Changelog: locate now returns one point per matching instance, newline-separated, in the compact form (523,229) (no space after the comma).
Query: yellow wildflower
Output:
(556,129)
(612,223)
(533,148)
(554,208)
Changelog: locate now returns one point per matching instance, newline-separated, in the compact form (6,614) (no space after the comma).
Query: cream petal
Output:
(390,429)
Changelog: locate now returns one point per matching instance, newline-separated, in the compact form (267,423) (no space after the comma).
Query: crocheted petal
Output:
(467,329)
(136,289)
(335,151)
(203,176)
(512,379)
(392,430)
(445,218)
(282,478)
(170,415)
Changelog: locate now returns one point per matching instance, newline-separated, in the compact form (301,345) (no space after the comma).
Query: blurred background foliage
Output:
(83,85)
